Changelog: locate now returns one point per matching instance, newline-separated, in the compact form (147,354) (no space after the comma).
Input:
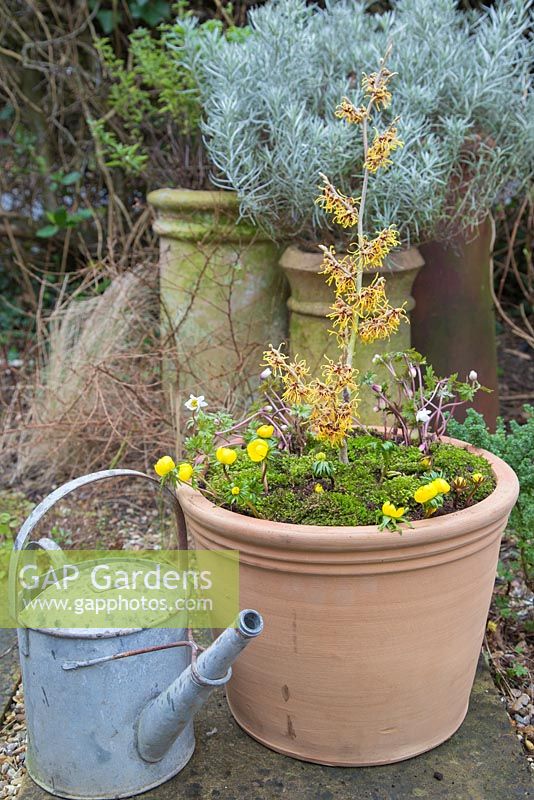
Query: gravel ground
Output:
(13,747)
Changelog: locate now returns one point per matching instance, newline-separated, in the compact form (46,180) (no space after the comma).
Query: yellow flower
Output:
(426,462)
(381,327)
(265,431)
(459,483)
(370,253)
(351,113)
(477,478)
(318,489)
(320,456)
(235,490)
(442,486)
(383,145)
(344,209)
(164,465)
(491,626)
(375,85)
(185,472)
(389,510)
(225,455)
(257,450)
(425,493)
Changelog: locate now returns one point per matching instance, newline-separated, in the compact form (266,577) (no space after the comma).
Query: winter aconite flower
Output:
(391,516)
(265,431)
(389,510)
(257,450)
(225,455)
(235,490)
(477,478)
(318,488)
(185,472)
(195,403)
(164,465)
(442,486)
(425,493)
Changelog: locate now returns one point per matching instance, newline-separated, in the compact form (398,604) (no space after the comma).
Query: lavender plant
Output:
(463,93)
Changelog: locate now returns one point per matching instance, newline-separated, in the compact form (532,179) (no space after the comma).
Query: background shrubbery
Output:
(96,109)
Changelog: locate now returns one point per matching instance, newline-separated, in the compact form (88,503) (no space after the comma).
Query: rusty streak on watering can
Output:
(102,725)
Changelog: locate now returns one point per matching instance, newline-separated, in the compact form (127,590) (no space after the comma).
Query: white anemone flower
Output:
(473,376)
(423,415)
(195,403)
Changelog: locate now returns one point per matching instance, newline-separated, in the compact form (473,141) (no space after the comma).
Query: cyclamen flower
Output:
(423,416)
(195,403)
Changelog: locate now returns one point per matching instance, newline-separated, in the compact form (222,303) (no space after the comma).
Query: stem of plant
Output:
(264,476)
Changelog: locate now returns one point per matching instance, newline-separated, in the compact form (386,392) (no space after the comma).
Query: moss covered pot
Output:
(223,296)
(310,302)
(371,637)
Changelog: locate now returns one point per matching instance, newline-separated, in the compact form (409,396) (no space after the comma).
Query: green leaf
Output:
(107,20)
(70,178)
(47,231)
(156,12)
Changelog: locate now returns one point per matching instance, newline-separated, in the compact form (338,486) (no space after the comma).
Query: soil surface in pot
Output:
(355,493)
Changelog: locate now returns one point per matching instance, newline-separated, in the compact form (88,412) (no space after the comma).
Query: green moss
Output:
(360,487)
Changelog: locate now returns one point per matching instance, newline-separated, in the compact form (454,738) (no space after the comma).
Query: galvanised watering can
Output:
(110,712)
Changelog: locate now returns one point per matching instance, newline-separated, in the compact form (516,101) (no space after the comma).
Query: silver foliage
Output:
(462,91)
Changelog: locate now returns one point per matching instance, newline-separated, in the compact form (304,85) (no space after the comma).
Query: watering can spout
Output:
(166,716)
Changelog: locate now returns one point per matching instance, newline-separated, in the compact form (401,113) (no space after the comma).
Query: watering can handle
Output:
(58,494)
(21,542)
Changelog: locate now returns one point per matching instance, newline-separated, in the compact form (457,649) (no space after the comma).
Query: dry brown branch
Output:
(514,278)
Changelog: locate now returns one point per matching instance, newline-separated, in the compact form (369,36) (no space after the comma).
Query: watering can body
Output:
(108,714)
(83,722)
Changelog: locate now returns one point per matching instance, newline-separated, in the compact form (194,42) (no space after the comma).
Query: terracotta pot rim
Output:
(291,536)
(299,260)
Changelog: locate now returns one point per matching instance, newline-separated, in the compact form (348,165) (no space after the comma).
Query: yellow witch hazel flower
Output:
(357,311)
(349,112)
(383,145)
(375,85)
(344,209)
(370,254)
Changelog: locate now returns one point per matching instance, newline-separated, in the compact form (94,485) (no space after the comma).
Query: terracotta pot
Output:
(310,303)
(371,638)
(453,323)
(222,293)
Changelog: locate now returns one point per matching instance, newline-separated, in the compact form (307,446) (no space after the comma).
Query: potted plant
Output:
(216,269)
(463,98)
(370,553)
